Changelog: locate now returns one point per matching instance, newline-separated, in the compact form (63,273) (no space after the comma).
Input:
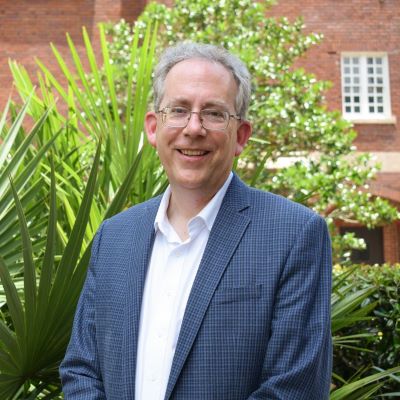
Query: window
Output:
(365,87)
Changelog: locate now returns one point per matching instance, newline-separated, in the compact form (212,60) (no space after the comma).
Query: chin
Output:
(192,182)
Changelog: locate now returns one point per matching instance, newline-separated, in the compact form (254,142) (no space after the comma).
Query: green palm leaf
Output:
(26,357)
(361,388)
(40,303)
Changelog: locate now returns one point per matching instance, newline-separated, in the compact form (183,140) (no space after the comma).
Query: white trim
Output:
(384,121)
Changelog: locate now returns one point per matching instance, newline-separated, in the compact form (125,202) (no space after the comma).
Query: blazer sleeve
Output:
(298,360)
(80,371)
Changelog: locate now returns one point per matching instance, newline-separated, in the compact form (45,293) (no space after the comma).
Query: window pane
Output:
(370,60)
(356,99)
(357,109)
(371,109)
(380,109)
(348,109)
(378,60)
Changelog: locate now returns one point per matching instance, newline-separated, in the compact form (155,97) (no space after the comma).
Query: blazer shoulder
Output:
(270,207)
(136,213)
(267,207)
(132,226)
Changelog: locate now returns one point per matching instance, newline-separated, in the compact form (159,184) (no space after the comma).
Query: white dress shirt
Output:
(172,270)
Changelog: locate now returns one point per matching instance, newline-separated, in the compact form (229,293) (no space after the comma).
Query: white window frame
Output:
(350,83)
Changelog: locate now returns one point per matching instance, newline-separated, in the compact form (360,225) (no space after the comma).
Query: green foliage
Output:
(380,343)
(60,200)
(36,336)
(299,148)
(352,306)
(20,161)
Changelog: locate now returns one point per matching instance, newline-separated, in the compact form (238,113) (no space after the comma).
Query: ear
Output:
(242,136)
(150,126)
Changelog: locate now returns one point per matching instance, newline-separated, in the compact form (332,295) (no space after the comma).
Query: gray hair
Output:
(189,50)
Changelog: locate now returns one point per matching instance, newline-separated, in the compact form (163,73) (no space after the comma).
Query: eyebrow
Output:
(207,104)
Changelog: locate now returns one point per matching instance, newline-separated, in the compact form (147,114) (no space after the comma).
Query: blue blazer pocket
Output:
(225,295)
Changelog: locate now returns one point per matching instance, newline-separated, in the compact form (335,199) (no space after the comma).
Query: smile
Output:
(192,153)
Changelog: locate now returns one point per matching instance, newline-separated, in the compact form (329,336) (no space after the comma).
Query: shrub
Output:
(380,348)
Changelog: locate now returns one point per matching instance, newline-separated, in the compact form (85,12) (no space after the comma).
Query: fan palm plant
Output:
(42,269)
(35,337)
(96,110)
(21,159)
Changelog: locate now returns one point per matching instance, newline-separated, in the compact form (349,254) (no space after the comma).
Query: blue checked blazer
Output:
(257,322)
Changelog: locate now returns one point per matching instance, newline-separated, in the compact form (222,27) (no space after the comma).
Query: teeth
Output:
(193,152)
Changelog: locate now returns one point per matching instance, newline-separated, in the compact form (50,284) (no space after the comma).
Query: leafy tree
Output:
(290,118)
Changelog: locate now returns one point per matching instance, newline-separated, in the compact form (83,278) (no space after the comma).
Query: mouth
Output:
(192,153)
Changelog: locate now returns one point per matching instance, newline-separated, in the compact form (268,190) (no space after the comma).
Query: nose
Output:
(194,125)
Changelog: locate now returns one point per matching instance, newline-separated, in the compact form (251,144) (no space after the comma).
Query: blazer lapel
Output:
(225,236)
(143,238)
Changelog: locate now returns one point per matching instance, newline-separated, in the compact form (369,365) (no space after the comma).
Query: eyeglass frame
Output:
(164,114)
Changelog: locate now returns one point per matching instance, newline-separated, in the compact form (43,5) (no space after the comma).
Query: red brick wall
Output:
(356,25)
(27,27)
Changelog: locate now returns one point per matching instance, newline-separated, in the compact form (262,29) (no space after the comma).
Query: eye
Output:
(178,111)
(213,114)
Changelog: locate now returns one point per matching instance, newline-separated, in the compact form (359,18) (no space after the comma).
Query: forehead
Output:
(202,80)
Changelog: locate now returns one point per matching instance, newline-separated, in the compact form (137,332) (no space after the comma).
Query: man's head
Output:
(198,126)
(189,50)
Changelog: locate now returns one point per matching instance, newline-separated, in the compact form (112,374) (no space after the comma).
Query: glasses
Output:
(210,119)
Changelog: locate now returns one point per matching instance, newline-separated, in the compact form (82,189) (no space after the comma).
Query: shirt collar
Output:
(207,215)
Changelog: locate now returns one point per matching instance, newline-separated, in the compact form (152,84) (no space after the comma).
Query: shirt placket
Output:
(163,317)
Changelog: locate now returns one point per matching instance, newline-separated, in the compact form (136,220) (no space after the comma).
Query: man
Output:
(215,291)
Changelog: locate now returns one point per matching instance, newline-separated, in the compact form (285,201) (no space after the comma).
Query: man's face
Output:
(195,158)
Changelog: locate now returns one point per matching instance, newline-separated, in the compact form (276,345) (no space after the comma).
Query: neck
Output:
(184,205)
